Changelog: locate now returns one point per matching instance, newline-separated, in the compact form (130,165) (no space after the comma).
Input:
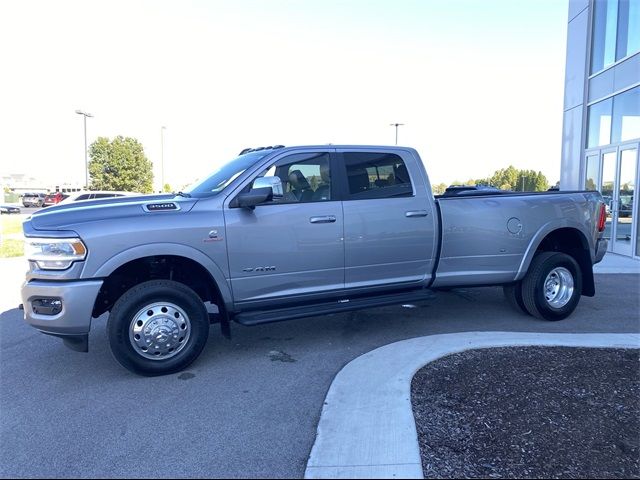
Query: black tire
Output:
(135,300)
(533,286)
(513,294)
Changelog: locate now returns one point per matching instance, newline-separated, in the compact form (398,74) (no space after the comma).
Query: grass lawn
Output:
(11,248)
(11,224)
(11,242)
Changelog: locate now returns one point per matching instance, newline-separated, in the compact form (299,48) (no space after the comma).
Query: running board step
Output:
(335,306)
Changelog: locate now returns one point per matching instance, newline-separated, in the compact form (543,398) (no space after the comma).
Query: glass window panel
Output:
(626,116)
(605,17)
(625,196)
(592,178)
(376,175)
(628,28)
(638,229)
(608,183)
(305,177)
(599,123)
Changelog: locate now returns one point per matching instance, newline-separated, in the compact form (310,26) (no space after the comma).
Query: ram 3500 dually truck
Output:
(281,233)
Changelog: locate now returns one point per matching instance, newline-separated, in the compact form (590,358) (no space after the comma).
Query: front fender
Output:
(151,249)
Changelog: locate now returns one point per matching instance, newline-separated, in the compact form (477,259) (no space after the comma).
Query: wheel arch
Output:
(567,239)
(144,263)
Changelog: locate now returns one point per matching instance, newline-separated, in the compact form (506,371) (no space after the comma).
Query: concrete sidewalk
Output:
(613,263)
(367,429)
(12,274)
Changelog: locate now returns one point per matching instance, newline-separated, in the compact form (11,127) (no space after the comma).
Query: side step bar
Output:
(335,306)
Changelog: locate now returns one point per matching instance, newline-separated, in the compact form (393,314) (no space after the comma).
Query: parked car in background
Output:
(33,200)
(4,208)
(607,203)
(54,198)
(626,205)
(94,195)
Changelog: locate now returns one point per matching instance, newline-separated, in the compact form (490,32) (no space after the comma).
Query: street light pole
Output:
(396,125)
(86,161)
(162,129)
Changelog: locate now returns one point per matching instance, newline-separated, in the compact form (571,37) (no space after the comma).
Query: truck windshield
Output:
(224,175)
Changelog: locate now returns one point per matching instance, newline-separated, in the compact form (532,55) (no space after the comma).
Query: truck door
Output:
(389,219)
(289,248)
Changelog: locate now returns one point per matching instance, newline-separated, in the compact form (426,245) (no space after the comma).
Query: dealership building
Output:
(601,130)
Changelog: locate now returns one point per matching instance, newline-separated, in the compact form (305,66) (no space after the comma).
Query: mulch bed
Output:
(530,412)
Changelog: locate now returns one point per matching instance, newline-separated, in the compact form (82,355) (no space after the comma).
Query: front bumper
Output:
(78,298)
(601,249)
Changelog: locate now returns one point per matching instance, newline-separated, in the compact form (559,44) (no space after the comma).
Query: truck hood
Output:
(62,217)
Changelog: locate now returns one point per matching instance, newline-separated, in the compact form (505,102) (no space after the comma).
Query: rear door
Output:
(389,219)
(288,249)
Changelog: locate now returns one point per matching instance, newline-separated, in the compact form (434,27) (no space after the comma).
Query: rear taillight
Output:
(602,218)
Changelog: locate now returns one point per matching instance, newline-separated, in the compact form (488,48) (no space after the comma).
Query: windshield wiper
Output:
(182,194)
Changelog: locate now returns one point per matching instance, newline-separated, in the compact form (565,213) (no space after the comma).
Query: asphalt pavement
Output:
(248,407)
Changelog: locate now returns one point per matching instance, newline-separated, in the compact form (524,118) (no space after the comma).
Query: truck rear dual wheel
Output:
(513,294)
(158,327)
(552,287)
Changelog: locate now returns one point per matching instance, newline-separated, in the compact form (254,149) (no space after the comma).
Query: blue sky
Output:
(478,83)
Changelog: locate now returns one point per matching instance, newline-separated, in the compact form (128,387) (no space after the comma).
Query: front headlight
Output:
(54,253)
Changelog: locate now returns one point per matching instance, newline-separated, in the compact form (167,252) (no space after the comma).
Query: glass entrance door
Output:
(626,200)
(608,189)
(619,173)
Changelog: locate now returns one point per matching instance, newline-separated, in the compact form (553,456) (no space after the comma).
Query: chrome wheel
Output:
(558,287)
(159,331)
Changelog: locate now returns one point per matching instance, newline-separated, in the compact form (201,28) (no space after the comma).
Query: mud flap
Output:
(223,320)
(78,343)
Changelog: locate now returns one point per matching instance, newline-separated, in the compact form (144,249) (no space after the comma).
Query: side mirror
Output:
(264,189)
(254,197)
(272,182)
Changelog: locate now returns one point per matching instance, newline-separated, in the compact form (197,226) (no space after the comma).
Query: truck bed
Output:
(488,237)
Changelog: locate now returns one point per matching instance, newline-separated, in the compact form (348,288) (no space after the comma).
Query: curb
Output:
(367,429)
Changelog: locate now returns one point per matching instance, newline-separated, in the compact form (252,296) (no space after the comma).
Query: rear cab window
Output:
(376,175)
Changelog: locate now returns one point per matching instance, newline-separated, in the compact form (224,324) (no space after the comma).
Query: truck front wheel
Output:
(158,327)
(552,287)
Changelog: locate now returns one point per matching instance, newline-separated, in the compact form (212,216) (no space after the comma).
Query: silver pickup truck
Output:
(281,233)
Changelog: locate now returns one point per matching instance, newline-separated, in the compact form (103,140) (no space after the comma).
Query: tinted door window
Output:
(305,177)
(376,175)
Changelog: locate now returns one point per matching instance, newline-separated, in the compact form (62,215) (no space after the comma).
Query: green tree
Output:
(505,178)
(511,178)
(120,164)
(439,188)
(166,188)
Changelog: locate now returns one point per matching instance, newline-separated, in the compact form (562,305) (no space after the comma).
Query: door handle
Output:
(324,219)
(416,213)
